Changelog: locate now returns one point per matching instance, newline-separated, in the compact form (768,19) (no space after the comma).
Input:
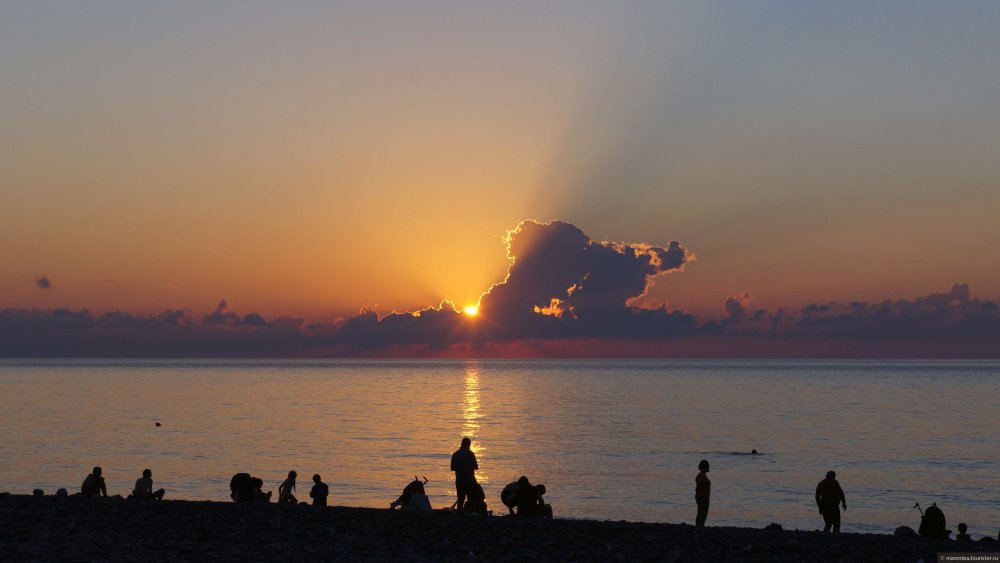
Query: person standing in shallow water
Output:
(464,464)
(702,491)
(828,496)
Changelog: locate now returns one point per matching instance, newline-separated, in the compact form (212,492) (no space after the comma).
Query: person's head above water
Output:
(147,473)
(703,466)
(466,443)
(831,474)
(753,452)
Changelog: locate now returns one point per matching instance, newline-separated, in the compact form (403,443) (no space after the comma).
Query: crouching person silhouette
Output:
(527,498)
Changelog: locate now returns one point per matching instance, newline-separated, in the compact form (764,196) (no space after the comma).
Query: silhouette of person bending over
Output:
(464,464)
(529,500)
(702,492)
(285,489)
(319,491)
(828,496)
(144,487)
(93,485)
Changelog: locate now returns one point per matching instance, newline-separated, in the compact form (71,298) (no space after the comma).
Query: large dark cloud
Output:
(560,284)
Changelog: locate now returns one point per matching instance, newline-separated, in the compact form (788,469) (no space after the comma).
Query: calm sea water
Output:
(609,439)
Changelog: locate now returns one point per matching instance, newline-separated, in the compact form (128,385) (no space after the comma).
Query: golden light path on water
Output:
(471,413)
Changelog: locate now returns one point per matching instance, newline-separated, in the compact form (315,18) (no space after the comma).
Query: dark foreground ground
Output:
(85,529)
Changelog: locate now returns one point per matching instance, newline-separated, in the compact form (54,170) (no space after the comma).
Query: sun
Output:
(471,310)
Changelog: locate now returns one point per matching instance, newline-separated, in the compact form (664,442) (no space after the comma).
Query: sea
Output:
(610,440)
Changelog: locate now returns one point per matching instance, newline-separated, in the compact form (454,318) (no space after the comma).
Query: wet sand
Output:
(90,529)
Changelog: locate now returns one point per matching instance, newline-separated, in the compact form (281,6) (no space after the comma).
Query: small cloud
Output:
(43,282)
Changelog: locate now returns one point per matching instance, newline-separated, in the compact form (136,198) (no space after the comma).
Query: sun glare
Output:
(471,310)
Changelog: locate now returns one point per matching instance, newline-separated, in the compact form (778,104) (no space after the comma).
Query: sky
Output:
(310,159)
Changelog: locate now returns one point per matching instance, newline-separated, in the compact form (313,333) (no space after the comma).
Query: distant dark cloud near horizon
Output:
(562,294)
(43,282)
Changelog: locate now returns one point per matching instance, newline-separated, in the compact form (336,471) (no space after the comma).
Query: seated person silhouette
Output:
(93,485)
(319,491)
(258,494)
(247,489)
(144,487)
(476,500)
(961,535)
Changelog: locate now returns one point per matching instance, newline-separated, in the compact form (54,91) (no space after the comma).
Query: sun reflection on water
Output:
(471,415)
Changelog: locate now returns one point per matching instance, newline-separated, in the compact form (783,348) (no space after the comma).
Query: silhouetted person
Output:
(258,494)
(961,535)
(828,496)
(144,487)
(528,500)
(319,491)
(93,485)
(477,500)
(285,489)
(508,496)
(754,452)
(464,464)
(702,492)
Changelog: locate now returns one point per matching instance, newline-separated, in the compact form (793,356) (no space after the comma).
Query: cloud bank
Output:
(564,295)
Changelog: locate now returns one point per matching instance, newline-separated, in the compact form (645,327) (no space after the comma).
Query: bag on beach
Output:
(241,487)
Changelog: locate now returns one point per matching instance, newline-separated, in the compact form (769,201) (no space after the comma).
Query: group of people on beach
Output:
(93,486)
(244,488)
(521,497)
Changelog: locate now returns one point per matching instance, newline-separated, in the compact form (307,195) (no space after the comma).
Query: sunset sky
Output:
(308,159)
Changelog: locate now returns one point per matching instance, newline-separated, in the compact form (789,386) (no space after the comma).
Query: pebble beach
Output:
(78,528)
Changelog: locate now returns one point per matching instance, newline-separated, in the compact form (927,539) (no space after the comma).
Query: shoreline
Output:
(81,528)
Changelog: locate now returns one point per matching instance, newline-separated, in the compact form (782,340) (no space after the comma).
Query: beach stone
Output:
(773,526)
(905,532)
(38,492)
(62,493)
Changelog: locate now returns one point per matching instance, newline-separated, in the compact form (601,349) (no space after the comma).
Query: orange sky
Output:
(308,162)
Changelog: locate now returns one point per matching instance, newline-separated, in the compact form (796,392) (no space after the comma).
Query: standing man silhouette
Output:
(702,490)
(828,496)
(464,464)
